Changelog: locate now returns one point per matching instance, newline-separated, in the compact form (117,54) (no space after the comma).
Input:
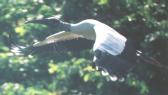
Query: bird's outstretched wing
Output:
(58,37)
(58,42)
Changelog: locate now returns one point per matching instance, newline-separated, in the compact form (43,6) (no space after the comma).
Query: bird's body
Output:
(106,39)
(113,52)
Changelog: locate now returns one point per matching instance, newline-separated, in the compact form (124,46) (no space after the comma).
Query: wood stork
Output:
(113,53)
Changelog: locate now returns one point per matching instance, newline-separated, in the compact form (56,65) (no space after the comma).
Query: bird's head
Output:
(51,22)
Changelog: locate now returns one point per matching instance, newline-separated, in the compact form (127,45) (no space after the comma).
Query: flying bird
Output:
(114,54)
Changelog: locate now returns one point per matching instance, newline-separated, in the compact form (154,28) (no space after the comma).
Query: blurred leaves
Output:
(52,68)
(102,2)
(143,21)
(141,85)
(20,30)
(18,89)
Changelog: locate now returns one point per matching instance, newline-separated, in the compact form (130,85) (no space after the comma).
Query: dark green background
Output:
(143,21)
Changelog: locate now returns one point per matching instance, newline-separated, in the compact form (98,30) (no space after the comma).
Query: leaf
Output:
(88,68)
(102,2)
(52,68)
(86,77)
(20,30)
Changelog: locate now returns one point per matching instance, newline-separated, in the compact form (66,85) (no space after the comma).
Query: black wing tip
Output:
(20,50)
(17,50)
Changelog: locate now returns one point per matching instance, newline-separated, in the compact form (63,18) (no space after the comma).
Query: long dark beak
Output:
(44,21)
(51,22)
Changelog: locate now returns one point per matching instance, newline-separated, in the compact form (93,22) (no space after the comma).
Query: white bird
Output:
(113,53)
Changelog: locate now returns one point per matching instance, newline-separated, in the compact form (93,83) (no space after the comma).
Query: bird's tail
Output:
(149,60)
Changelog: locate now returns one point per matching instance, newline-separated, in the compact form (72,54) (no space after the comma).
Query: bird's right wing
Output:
(58,37)
(56,43)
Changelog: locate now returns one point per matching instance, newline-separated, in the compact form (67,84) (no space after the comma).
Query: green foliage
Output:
(71,74)
(102,2)
(18,89)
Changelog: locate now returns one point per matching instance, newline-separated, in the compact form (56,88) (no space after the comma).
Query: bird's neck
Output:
(85,29)
(64,26)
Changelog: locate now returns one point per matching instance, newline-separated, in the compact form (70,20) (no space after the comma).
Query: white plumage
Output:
(114,54)
(106,38)
(108,43)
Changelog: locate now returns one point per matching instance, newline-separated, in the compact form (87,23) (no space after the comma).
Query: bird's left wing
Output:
(108,40)
(108,45)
